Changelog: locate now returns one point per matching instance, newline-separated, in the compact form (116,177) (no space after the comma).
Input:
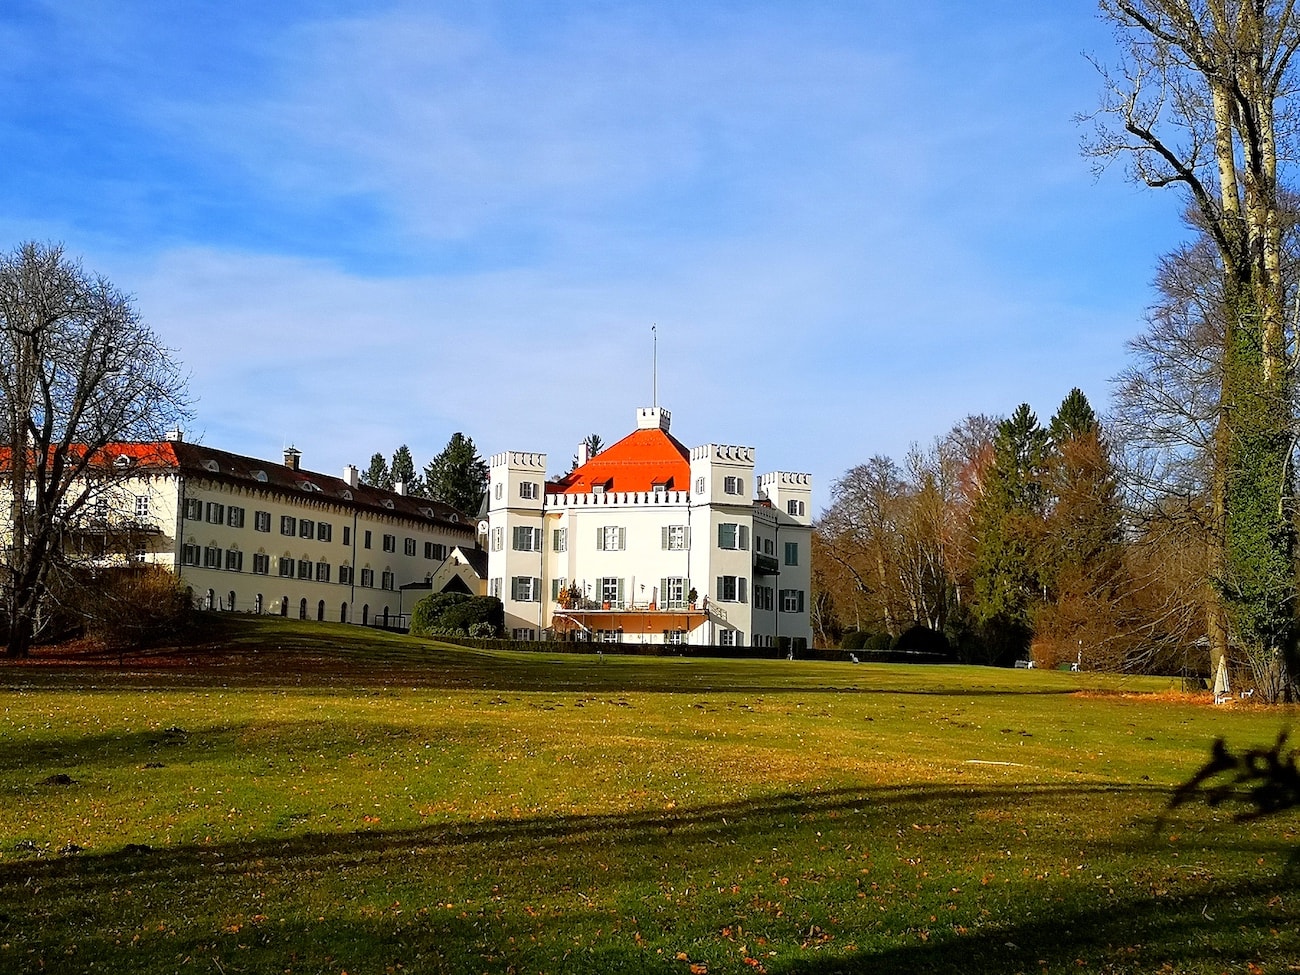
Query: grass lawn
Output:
(314,798)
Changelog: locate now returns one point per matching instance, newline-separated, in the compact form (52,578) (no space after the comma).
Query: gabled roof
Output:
(222,466)
(638,462)
(196,460)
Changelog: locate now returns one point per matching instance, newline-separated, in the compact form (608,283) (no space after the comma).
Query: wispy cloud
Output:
(853,223)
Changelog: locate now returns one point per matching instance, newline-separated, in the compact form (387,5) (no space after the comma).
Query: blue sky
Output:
(362,224)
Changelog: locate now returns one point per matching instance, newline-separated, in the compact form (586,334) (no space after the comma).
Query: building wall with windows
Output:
(250,536)
(612,550)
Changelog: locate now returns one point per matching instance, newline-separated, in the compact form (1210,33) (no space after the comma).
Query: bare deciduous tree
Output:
(79,371)
(1202,101)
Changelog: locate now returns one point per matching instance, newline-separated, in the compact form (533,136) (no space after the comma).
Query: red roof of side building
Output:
(638,462)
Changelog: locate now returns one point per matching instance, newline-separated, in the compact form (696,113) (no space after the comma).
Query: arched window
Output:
(257,604)
(302,608)
(320,611)
(343,613)
(210,600)
(230,604)
(365,614)
(284,606)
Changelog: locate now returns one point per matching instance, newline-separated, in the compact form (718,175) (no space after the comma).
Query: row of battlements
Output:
(652,498)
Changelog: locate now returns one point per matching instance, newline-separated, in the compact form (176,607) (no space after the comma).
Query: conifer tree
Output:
(458,475)
(1007,528)
(377,474)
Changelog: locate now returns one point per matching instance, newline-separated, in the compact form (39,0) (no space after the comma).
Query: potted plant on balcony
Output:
(569,596)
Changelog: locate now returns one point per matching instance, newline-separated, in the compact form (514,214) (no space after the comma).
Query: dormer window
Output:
(259,476)
(598,489)
(212,465)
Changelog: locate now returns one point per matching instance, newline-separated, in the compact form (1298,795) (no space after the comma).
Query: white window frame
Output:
(525,589)
(494,588)
(408,546)
(528,490)
(675,538)
(792,600)
(262,521)
(731,589)
(611,590)
(673,591)
(734,533)
(611,538)
(234,516)
(560,539)
(731,484)
(526,538)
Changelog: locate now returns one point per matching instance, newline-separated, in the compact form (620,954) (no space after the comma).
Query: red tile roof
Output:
(638,462)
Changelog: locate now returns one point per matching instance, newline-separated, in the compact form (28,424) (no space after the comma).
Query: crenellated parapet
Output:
(655,499)
(722,454)
(519,460)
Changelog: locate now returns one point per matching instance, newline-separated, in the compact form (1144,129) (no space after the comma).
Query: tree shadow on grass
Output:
(47,903)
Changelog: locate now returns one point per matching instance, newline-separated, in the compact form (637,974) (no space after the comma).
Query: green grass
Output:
(290,798)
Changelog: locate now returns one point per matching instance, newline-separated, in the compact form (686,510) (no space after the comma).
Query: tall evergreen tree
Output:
(377,474)
(402,471)
(1008,527)
(458,476)
(1081,564)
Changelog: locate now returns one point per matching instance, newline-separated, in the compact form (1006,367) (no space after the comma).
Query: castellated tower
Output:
(789,493)
(516,495)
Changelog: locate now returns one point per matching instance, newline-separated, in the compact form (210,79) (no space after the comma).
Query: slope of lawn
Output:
(290,797)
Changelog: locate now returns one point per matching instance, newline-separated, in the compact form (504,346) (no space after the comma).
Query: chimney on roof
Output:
(653,418)
(584,452)
(399,487)
(176,435)
(351,475)
(292,457)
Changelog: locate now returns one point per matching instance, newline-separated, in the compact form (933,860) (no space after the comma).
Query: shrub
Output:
(854,639)
(922,639)
(877,642)
(426,615)
(456,613)
(475,610)
(135,607)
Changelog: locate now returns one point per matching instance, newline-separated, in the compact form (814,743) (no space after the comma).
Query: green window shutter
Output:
(686,536)
(622,539)
(600,539)
(740,589)
(663,593)
(620,591)
(663,537)
(744,537)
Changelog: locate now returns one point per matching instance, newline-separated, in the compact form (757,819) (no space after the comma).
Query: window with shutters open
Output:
(611,538)
(672,592)
(675,538)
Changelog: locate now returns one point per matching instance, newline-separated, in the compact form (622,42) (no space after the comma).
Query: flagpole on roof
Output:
(654,366)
